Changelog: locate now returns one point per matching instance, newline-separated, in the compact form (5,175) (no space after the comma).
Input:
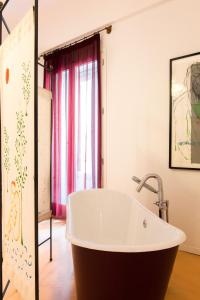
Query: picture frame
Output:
(184,118)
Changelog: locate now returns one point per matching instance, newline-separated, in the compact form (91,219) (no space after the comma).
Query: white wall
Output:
(137,107)
(63,20)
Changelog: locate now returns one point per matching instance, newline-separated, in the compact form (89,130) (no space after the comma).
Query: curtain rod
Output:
(68,44)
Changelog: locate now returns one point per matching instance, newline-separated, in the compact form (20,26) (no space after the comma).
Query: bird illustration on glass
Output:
(12,229)
(7,75)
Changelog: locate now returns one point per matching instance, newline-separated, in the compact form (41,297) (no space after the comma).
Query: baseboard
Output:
(190,249)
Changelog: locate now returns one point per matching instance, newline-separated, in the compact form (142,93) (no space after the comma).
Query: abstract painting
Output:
(17,132)
(184,152)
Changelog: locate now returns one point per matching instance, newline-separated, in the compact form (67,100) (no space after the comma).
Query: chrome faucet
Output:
(163,205)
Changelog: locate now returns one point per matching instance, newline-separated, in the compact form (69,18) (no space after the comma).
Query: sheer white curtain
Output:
(76,152)
(86,122)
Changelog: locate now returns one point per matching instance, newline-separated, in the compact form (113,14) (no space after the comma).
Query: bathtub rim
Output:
(181,237)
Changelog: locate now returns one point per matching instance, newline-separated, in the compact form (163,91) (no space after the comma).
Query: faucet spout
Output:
(163,205)
(147,186)
(159,181)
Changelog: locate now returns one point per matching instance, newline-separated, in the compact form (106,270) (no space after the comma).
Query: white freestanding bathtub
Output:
(121,250)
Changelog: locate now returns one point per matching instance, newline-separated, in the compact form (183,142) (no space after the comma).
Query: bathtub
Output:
(121,250)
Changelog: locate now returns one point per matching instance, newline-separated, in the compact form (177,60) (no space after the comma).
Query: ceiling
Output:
(63,20)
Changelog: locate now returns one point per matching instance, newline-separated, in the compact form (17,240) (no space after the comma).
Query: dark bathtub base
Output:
(102,275)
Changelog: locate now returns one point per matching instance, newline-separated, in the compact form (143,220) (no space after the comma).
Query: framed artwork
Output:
(184,137)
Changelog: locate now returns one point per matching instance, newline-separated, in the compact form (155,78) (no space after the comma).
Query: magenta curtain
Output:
(76,120)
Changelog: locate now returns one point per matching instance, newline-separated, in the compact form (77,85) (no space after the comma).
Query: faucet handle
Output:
(157,203)
(162,205)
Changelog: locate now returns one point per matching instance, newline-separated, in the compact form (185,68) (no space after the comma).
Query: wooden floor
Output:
(57,278)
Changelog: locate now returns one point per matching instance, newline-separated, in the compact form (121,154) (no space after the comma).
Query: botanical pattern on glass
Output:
(26,88)
(6,153)
(20,146)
